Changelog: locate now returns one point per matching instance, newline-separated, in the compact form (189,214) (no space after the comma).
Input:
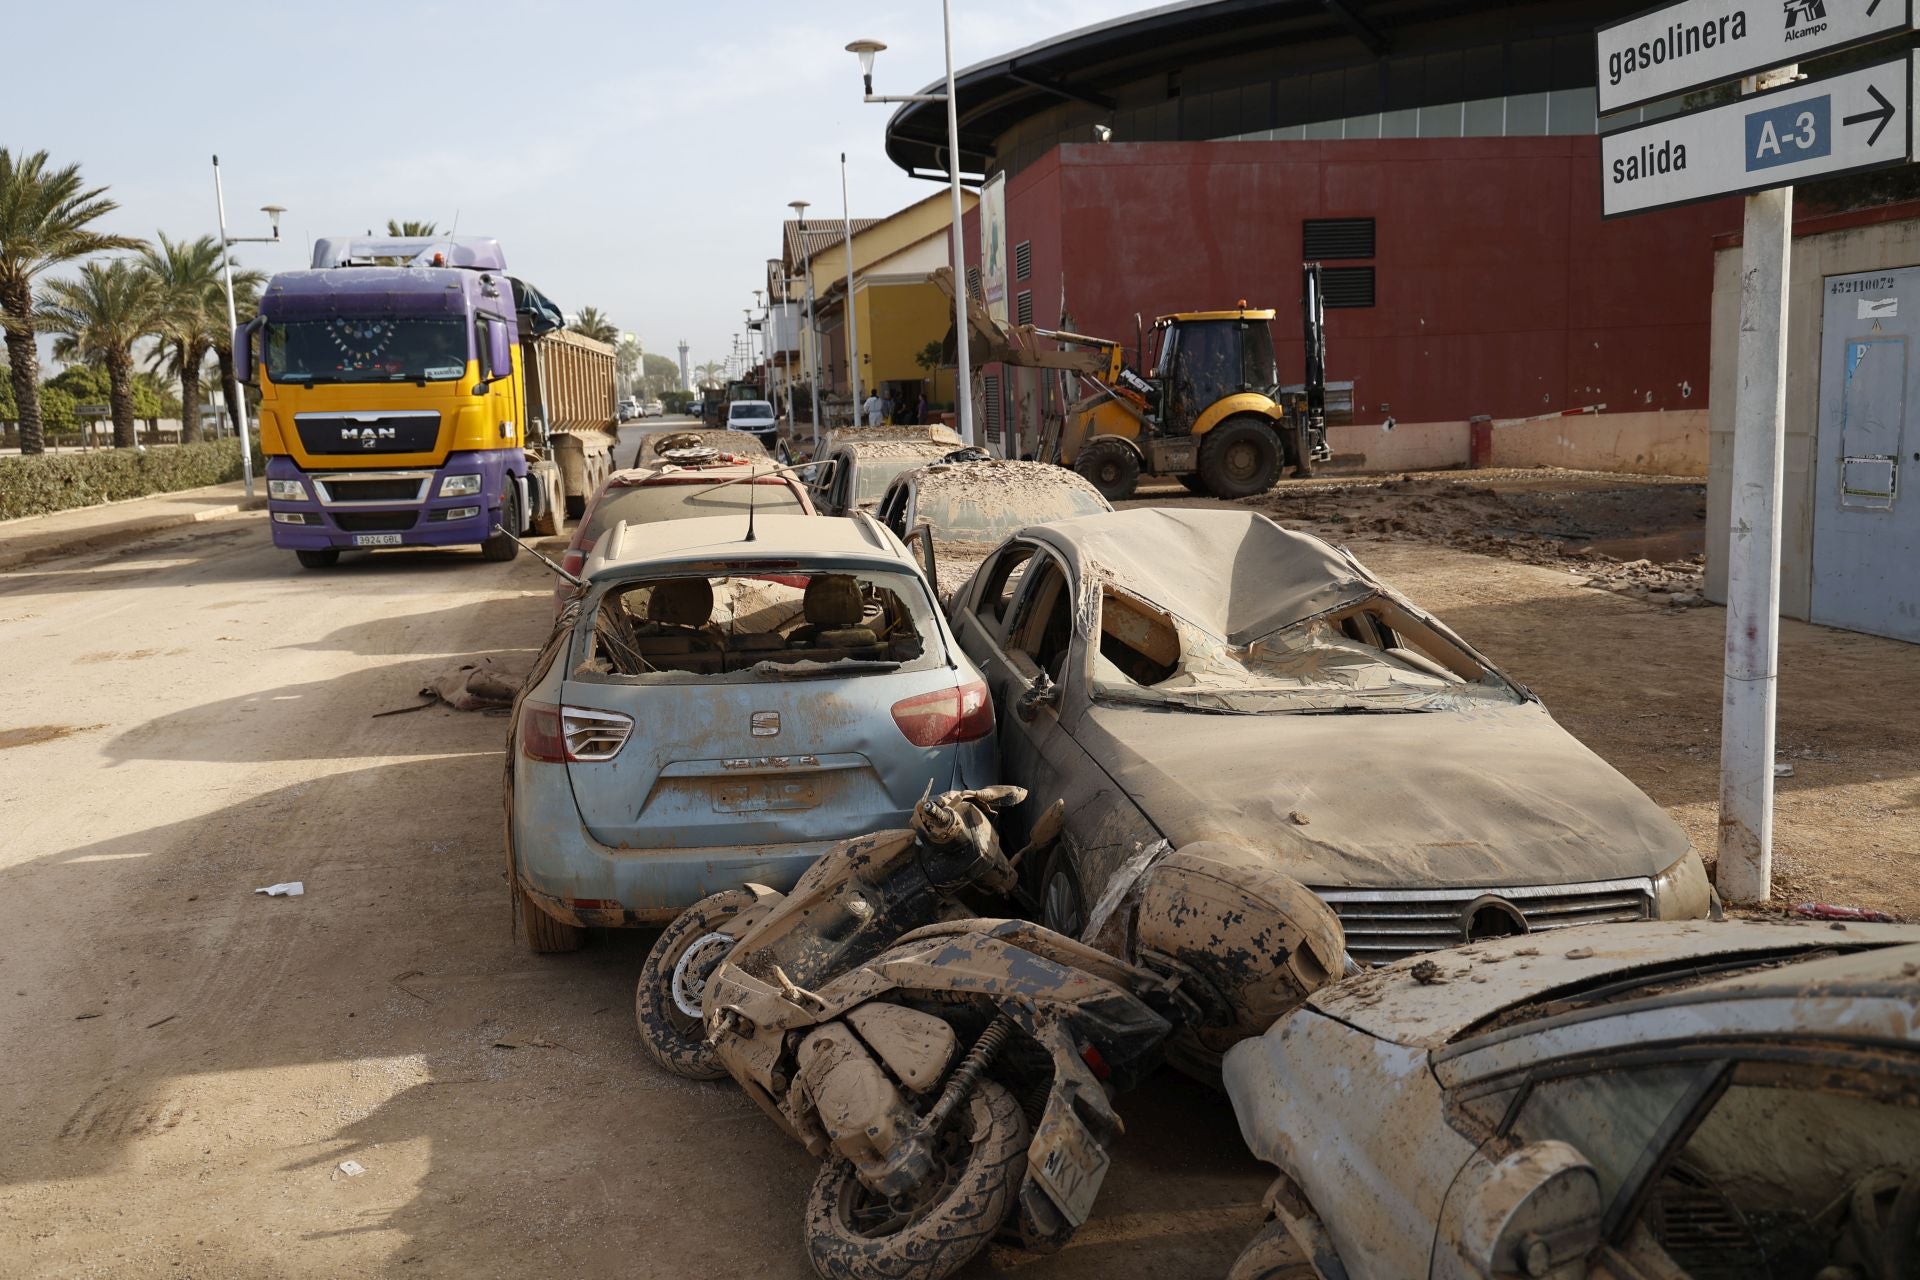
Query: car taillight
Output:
(575,557)
(559,734)
(594,735)
(946,716)
(540,732)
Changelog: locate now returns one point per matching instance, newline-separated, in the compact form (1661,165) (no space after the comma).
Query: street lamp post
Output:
(799,208)
(963,373)
(273,212)
(853,331)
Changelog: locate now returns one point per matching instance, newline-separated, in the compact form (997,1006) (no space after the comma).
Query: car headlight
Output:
(286,491)
(1681,891)
(459,486)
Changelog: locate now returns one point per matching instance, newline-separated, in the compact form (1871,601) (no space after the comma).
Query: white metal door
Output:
(1866,526)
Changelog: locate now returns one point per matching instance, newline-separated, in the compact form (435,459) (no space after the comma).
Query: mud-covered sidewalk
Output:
(1586,588)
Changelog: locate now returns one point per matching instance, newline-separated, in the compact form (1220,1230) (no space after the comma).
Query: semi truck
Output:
(412,393)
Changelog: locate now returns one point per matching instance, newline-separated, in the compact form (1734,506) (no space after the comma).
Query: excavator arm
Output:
(1020,344)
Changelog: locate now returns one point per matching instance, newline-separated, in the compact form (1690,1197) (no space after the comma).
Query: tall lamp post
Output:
(799,208)
(963,373)
(273,212)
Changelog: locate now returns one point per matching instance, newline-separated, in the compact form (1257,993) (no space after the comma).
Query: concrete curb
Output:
(53,547)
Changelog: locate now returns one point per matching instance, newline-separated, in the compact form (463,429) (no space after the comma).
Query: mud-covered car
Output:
(1187,676)
(973,504)
(682,484)
(723,702)
(655,445)
(863,461)
(1622,1101)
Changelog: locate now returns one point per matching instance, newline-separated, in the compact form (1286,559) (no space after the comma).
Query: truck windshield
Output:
(367,349)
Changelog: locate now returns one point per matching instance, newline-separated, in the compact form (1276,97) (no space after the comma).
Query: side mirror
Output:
(1536,1212)
(1042,692)
(243,351)
(499,352)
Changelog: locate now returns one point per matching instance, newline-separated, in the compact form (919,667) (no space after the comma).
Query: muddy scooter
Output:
(954,1073)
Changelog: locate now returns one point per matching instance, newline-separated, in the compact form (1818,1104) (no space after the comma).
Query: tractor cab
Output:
(1202,357)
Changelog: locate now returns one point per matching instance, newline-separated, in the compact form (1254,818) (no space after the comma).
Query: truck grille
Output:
(1384,925)
(373,489)
(375,521)
(410,431)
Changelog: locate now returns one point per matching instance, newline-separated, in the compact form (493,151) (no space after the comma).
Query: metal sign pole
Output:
(1750,681)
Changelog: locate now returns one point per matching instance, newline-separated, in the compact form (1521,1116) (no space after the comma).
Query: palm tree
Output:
(410,228)
(593,324)
(709,373)
(188,274)
(43,222)
(100,315)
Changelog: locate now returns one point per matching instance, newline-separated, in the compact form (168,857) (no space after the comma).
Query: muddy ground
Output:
(187,1064)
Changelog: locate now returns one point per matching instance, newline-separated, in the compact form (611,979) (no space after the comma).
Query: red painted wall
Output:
(1498,289)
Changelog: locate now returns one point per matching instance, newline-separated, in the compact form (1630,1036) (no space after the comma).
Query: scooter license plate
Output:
(1069,1164)
(376,539)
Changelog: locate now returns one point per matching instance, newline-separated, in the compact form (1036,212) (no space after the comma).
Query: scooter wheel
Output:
(668,1002)
(854,1234)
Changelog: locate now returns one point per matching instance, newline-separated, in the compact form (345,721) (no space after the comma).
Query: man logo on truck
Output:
(367,436)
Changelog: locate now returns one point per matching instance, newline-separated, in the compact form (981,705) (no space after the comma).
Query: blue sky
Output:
(635,156)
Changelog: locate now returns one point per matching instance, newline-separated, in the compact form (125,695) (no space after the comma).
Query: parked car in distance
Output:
(975,503)
(757,419)
(653,409)
(718,711)
(1208,677)
(858,470)
(684,484)
(1619,1101)
(629,409)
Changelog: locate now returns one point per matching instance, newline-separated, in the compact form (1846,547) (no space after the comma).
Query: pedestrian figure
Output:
(875,409)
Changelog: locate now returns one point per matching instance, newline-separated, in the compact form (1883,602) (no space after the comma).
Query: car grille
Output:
(1384,925)
(375,521)
(395,489)
(404,431)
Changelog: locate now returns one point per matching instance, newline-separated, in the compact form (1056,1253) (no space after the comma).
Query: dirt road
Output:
(187,1063)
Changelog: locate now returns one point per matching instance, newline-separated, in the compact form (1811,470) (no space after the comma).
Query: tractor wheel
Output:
(1240,457)
(1192,483)
(1109,466)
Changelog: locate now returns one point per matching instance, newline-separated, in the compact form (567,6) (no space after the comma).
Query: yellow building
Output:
(899,313)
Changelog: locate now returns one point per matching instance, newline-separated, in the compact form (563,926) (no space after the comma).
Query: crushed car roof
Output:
(1013,480)
(777,536)
(1468,985)
(1235,574)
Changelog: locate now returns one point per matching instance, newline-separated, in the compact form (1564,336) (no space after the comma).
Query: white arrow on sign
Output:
(1701,42)
(1817,128)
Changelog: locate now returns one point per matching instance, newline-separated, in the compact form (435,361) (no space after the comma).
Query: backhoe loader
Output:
(1212,412)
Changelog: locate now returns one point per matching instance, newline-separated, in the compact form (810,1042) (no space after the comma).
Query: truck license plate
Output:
(1069,1165)
(376,539)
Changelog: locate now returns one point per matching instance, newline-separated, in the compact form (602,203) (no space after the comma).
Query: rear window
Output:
(871,476)
(991,515)
(683,500)
(741,628)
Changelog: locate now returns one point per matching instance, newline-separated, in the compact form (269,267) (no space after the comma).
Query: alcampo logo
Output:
(1805,18)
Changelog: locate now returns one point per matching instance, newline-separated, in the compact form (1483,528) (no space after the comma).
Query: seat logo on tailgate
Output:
(764,724)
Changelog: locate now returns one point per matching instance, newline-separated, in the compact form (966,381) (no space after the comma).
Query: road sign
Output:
(93,411)
(1685,46)
(1814,129)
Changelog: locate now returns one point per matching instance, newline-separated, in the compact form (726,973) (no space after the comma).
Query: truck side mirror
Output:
(243,351)
(499,350)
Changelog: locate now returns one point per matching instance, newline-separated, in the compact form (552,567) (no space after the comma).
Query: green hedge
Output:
(40,483)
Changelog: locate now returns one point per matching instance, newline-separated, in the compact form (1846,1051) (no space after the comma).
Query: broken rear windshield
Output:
(755,626)
(1372,656)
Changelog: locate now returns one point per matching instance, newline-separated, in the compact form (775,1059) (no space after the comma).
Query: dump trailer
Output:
(1211,413)
(412,393)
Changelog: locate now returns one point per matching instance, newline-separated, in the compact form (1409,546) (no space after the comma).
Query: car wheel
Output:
(1063,903)
(1240,457)
(323,558)
(545,935)
(1272,1255)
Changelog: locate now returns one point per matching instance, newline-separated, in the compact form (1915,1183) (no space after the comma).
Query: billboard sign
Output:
(993,245)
